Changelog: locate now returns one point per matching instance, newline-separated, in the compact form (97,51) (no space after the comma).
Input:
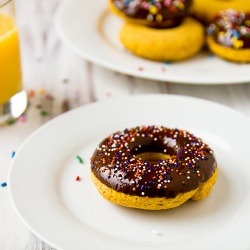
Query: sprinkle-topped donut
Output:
(159,30)
(229,35)
(154,13)
(206,10)
(153,161)
(231,28)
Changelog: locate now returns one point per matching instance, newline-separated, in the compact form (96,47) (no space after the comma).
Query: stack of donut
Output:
(174,30)
(153,168)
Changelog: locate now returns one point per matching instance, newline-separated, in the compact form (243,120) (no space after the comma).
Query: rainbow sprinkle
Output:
(13,154)
(79,159)
(3,184)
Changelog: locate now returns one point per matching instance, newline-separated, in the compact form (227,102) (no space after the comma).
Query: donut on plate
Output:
(159,30)
(153,168)
(206,10)
(229,36)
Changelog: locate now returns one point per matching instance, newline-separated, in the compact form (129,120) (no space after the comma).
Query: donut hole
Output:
(153,156)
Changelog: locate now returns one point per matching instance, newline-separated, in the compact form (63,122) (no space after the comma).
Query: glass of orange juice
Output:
(13,98)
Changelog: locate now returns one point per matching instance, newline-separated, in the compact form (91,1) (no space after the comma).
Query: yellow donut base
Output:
(206,9)
(230,54)
(171,44)
(153,203)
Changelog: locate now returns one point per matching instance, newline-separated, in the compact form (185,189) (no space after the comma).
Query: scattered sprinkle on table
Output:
(78,178)
(22,118)
(44,113)
(31,93)
(38,106)
(3,184)
(13,154)
(210,55)
(41,91)
(167,63)
(163,69)
(140,68)
(49,97)
(11,121)
(79,159)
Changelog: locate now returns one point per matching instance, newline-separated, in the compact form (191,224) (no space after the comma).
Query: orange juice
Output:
(10,68)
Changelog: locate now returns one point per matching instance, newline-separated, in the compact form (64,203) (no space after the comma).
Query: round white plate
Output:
(90,30)
(70,214)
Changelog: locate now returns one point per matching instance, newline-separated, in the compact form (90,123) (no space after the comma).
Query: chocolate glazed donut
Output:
(229,36)
(231,28)
(157,14)
(153,161)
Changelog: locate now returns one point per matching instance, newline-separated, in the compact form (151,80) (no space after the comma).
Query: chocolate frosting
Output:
(157,14)
(231,28)
(117,163)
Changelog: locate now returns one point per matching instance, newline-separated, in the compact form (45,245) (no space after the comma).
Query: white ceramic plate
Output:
(90,30)
(70,214)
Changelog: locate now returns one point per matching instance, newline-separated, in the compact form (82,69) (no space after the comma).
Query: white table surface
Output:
(58,80)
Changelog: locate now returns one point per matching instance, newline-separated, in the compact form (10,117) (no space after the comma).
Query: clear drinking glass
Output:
(13,99)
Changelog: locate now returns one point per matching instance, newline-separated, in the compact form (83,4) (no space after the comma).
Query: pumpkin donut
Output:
(229,36)
(159,30)
(206,10)
(172,44)
(153,168)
